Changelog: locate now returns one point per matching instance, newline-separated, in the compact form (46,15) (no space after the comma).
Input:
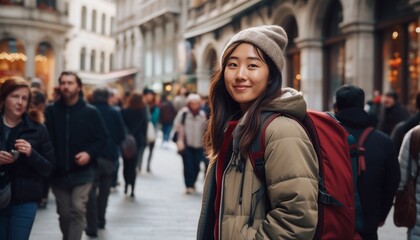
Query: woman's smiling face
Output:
(246,75)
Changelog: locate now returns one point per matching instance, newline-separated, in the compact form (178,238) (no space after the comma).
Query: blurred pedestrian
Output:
(409,167)
(135,117)
(154,115)
(378,181)
(180,99)
(392,113)
(190,123)
(37,108)
(166,119)
(403,127)
(26,157)
(236,203)
(106,164)
(78,134)
(115,102)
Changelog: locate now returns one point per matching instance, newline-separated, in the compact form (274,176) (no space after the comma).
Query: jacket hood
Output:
(290,102)
(354,117)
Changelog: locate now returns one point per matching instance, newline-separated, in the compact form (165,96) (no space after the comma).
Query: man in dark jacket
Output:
(378,183)
(402,128)
(393,113)
(107,161)
(78,135)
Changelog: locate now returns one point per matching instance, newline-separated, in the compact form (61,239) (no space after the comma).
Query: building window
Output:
(83,59)
(334,49)
(49,5)
(12,58)
(94,21)
(44,63)
(292,55)
(398,55)
(111,30)
(103,29)
(92,60)
(111,62)
(102,62)
(66,9)
(84,17)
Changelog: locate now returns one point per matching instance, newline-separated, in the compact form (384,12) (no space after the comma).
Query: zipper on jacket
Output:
(67,139)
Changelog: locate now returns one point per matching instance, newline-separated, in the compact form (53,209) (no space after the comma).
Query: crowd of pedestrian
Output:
(72,146)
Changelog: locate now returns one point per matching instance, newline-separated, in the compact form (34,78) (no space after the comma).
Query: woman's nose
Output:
(241,74)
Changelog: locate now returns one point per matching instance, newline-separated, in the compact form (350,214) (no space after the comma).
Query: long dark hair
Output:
(223,107)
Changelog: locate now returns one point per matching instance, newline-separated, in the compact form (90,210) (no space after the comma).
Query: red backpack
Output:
(336,213)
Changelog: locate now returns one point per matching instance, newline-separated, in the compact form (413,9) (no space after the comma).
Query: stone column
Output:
(311,71)
(30,61)
(360,55)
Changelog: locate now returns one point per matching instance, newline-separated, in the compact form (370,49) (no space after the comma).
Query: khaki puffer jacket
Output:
(291,178)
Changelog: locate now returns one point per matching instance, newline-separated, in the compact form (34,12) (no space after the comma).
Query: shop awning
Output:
(105,78)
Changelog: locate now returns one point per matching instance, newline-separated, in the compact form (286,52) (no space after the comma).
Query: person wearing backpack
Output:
(237,204)
(378,167)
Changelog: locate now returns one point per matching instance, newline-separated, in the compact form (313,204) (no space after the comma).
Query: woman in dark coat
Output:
(26,157)
(135,118)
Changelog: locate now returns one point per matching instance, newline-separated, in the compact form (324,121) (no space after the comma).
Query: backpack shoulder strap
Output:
(183,117)
(258,145)
(361,150)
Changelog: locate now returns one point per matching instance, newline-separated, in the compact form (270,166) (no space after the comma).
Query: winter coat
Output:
(291,169)
(74,129)
(115,126)
(402,128)
(404,157)
(391,117)
(136,122)
(167,113)
(193,128)
(378,184)
(27,173)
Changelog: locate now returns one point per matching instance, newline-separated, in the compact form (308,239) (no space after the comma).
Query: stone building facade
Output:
(41,38)
(373,44)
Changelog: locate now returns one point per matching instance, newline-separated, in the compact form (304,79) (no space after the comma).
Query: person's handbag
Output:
(405,199)
(151,132)
(5,191)
(129,146)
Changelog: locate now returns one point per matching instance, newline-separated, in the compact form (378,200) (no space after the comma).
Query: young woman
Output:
(33,161)
(135,118)
(248,82)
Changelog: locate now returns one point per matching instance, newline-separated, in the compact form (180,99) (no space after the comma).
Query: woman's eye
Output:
(231,64)
(253,65)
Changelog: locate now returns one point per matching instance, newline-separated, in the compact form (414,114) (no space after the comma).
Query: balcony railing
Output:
(156,8)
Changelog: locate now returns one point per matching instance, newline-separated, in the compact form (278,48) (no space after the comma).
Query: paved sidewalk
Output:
(160,211)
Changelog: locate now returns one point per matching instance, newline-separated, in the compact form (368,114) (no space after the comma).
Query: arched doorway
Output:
(334,52)
(397,69)
(12,58)
(292,54)
(45,63)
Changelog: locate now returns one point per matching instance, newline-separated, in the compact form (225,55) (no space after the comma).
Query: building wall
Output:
(31,25)
(98,41)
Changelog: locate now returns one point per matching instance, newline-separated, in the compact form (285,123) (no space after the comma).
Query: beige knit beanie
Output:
(271,39)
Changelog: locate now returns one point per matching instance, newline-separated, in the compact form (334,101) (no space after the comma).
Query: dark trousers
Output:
(166,131)
(191,158)
(98,201)
(369,236)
